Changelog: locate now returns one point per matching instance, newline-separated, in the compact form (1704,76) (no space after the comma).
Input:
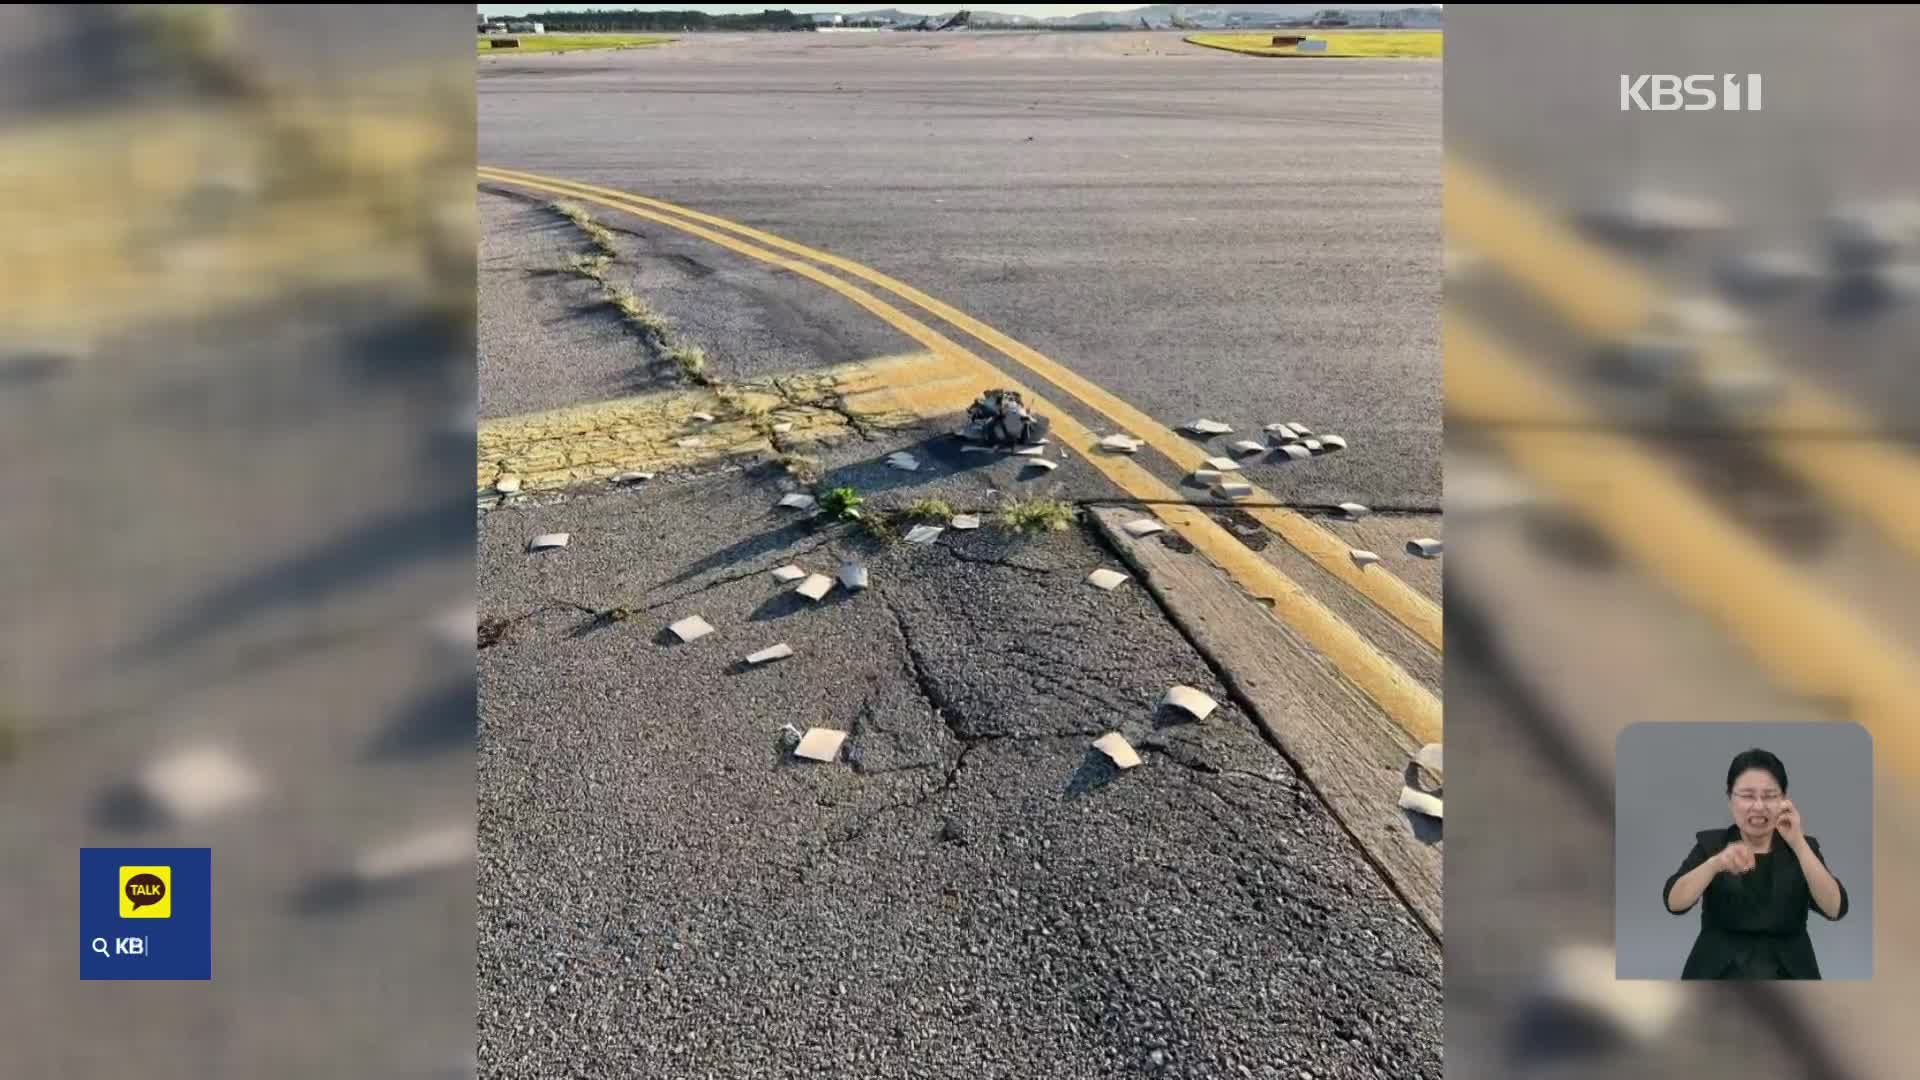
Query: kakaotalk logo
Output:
(1689,93)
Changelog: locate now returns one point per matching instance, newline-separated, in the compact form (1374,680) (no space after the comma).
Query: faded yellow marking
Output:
(1608,299)
(575,444)
(1399,600)
(1398,694)
(1810,643)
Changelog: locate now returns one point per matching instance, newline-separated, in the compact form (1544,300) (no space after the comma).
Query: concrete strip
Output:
(1349,750)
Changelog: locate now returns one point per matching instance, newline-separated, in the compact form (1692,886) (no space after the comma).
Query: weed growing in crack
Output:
(691,360)
(1037,515)
(878,525)
(592,267)
(939,510)
(841,503)
(602,239)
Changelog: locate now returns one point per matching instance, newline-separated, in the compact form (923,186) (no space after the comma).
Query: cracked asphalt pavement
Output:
(971,890)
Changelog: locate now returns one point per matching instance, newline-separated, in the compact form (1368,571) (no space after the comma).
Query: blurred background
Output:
(236,441)
(1683,484)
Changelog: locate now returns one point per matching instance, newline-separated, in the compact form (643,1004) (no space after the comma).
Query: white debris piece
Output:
(1120,444)
(820,744)
(783,427)
(1209,427)
(1233,489)
(507,484)
(904,461)
(1248,446)
(1043,463)
(1031,451)
(1312,446)
(1145,526)
(1768,273)
(200,781)
(975,448)
(1206,477)
(1190,701)
(1118,749)
(1330,443)
(549,540)
(1420,802)
(1430,758)
(815,587)
(1295,452)
(787,573)
(1425,547)
(1586,977)
(963,522)
(1698,316)
(431,849)
(1354,510)
(924,534)
(1363,559)
(1283,432)
(798,501)
(691,628)
(767,656)
(1300,430)
(853,576)
(632,477)
(701,418)
(1105,579)
(689,442)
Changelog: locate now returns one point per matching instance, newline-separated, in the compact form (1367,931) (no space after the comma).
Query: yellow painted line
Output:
(1607,298)
(1399,600)
(1398,694)
(1812,644)
(560,448)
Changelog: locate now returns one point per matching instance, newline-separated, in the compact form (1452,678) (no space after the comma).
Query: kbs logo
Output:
(1691,93)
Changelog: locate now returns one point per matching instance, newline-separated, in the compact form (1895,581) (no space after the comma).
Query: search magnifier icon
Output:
(100,946)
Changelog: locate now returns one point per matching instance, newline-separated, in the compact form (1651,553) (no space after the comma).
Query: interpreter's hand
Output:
(1735,858)
(1787,823)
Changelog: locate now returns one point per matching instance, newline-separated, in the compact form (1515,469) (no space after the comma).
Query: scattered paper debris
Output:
(798,501)
(815,587)
(1209,427)
(432,849)
(1031,451)
(507,484)
(964,522)
(1312,446)
(1121,444)
(691,628)
(789,572)
(783,427)
(1223,464)
(1206,477)
(904,461)
(632,477)
(923,534)
(1420,802)
(820,744)
(1585,977)
(1043,463)
(689,442)
(1144,526)
(549,540)
(1330,443)
(1429,759)
(1300,430)
(1295,452)
(1108,580)
(1354,510)
(198,782)
(1234,489)
(853,576)
(1363,558)
(1426,548)
(1283,432)
(767,656)
(1118,749)
(1248,446)
(1190,701)
(701,418)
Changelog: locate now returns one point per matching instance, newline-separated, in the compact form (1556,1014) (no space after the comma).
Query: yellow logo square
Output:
(146,892)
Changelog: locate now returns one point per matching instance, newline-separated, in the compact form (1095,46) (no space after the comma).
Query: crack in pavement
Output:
(955,552)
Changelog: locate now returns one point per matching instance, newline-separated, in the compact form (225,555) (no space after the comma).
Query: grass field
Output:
(570,42)
(1420,43)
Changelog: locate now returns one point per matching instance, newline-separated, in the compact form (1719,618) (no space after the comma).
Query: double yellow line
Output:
(1809,642)
(1410,705)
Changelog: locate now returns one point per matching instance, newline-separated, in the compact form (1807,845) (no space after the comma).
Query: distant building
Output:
(526,28)
(828,20)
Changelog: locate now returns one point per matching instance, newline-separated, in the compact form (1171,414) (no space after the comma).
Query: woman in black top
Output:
(1760,877)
